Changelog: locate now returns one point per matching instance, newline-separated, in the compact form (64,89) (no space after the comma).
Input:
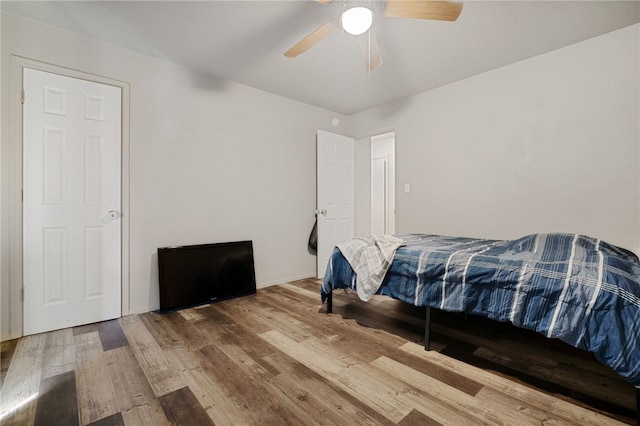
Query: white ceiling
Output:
(244,41)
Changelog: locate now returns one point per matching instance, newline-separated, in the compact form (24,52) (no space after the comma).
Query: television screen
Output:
(198,274)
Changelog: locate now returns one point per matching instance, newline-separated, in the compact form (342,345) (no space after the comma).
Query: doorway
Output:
(383,184)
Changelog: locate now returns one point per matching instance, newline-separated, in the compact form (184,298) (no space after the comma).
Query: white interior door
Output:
(335,194)
(72,201)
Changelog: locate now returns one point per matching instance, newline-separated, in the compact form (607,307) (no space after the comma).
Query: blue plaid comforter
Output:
(578,289)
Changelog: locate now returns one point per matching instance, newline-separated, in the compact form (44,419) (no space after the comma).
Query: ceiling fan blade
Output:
(370,50)
(307,42)
(424,9)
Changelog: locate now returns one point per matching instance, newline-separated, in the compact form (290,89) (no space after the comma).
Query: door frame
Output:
(363,180)
(14,185)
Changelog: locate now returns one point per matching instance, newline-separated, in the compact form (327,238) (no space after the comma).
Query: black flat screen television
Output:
(197,274)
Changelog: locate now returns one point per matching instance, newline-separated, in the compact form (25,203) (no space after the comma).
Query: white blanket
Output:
(370,257)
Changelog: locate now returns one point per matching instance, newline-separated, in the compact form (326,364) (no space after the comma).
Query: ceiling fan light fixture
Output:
(357,20)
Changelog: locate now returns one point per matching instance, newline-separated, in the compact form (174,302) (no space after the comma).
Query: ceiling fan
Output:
(357,18)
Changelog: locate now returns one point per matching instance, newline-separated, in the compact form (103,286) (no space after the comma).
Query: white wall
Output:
(210,160)
(546,144)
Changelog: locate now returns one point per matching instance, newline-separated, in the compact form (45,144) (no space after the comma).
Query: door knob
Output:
(111,216)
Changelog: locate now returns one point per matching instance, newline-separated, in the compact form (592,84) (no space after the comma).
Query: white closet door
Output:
(72,202)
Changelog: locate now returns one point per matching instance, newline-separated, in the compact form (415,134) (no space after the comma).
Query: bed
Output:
(572,287)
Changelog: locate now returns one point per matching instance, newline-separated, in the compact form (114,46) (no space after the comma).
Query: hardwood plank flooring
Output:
(181,407)
(57,401)
(6,354)
(276,358)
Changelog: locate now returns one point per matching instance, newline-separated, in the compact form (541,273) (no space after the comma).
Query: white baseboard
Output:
(285,280)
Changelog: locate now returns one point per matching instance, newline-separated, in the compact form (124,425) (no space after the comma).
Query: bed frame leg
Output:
(427,330)
(330,303)
(638,406)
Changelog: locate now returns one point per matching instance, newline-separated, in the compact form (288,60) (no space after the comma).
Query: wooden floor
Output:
(277,358)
